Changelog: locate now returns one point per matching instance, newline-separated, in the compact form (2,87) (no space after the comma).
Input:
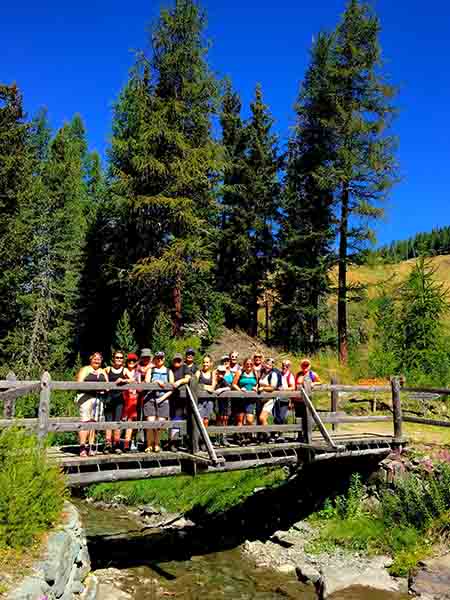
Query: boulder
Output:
(306,573)
(433,579)
(335,579)
(31,588)
(62,551)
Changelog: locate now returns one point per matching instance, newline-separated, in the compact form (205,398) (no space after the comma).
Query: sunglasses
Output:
(118,358)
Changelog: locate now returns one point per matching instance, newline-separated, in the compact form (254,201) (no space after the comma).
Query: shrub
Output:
(32,490)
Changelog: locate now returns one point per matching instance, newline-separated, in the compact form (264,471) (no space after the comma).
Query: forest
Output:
(185,221)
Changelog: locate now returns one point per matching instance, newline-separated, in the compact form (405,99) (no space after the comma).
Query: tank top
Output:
(95,376)
(228,377)
(161,374)
(247,381)
(113,375)
(204,379)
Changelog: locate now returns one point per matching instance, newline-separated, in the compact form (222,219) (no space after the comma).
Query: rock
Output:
(337,579)
(83,562)
(32,588)
(62,552)
(147,510)
(107,591)
(90,588)
(433,579)
(306,573)
(287,568)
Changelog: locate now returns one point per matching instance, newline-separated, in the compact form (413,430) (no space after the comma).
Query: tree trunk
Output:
(176,296)
(342,279)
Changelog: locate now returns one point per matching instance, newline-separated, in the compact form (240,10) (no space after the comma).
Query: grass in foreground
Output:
(410,519)
(212,492)
(32,490)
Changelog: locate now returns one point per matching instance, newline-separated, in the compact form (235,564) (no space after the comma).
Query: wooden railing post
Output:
(307,422)
(193,434)
(397,410)
(44,406)
(334,400)
(9,408)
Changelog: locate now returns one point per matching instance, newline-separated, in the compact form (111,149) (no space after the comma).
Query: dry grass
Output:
(15,564)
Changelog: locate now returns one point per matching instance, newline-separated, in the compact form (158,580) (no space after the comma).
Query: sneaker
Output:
(117,451)
(107,449)
(133,447)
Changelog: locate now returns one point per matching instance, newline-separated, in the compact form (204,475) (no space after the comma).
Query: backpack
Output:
(279,377)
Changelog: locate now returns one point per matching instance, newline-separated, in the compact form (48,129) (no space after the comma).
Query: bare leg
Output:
(150,435)
(157,433)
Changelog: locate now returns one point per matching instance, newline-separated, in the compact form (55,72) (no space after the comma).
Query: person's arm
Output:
(235,384)
(81,374)
(291,383)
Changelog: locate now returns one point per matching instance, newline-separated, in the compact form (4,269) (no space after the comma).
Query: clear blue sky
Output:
(74,57)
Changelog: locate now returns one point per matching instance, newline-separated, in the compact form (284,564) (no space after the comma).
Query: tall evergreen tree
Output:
(171,172)
(15,171)
(50,229)
(233,243)
(263,196)
(249,204)
(363,167)
(306,231)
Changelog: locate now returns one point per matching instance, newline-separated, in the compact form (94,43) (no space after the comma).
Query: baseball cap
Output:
(225,357)
(190,351)
(132,356)
(146,352)
(159,354)
(177,356)
(222,369)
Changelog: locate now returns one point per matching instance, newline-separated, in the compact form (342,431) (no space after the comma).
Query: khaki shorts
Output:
(91,408)
(267,407)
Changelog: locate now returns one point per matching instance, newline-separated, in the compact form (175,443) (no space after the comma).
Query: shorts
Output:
(91,408)
(280,411)
(206,408)
(113,411)
(153,408)
(267,406)
(177,408)
(249,407)
(224,407)
(130,407)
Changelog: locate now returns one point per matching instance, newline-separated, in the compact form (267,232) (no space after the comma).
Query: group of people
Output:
(254,374)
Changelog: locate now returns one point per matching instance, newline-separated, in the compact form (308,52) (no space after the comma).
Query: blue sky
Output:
(74,57)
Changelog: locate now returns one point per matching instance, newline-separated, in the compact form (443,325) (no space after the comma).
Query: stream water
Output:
(157,565)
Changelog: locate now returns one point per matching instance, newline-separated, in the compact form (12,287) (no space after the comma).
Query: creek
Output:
(186,563)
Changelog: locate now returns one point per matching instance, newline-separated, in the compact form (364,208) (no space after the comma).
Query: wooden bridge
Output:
(310,439)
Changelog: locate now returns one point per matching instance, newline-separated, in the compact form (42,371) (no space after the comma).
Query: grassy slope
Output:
(212,492)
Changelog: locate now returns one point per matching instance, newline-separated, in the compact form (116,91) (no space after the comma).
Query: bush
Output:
(32,490)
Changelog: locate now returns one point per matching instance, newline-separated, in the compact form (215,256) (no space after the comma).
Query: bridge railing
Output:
(193,426)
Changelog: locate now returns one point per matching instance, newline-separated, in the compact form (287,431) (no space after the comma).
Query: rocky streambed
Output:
(147,553)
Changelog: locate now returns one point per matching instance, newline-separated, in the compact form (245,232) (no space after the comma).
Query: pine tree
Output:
(125,336)
(262,198)
(162,337)
(306,231)
(170,172)
(249,205)
(234,226)
(16,166)
(49,229)
(363,169)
